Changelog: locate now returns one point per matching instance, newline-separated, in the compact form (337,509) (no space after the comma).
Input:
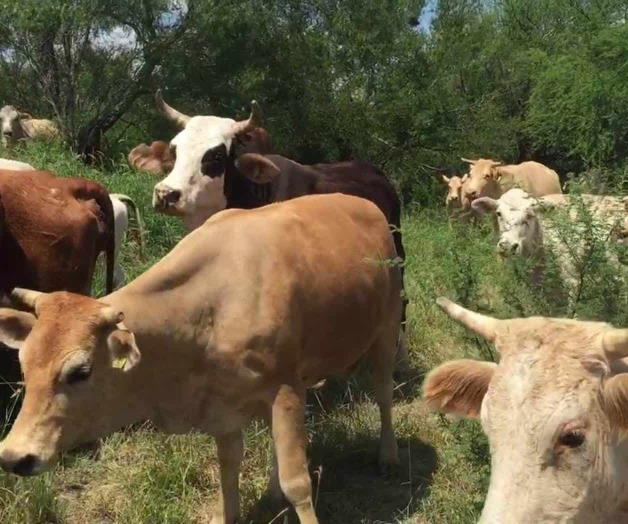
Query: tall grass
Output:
(142,476)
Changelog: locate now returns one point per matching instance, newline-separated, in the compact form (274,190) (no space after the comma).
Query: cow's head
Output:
(74,352)
(10,124)
(555,410)
(204,151)
(519,227)
(454,190)
(483,177)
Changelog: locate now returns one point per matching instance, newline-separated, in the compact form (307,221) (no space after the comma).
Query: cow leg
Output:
(382,358)
(230,449)
(290,443)
(273,490)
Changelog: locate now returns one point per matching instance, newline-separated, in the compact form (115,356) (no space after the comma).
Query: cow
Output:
(121,204)
(555,410)
(157,158)
(16,126)
(455,199)
(490,178)
(14,165)
(206,177)
(239,319)
(528,228)
(52,230)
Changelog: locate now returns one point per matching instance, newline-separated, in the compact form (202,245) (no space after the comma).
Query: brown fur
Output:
(459,387)
(53,231)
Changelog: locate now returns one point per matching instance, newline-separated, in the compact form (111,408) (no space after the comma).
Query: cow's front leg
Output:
(290,444)
(230,452)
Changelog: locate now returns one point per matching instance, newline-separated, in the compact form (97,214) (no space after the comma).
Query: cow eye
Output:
(78,374)
(571,439)
(498,213)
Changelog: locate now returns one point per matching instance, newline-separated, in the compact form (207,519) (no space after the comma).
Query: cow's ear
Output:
(615,401)
(258,168)
(458,387)
(445,179)
(15,326)
(125,354)
(484,205)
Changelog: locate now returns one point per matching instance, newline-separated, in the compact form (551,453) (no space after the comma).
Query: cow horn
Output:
(467,160)
(26,297)
(495,163)
(254,120)
(481,324)
(169,112)
(615,343)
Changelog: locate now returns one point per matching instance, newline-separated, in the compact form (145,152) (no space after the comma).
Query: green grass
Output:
(142,476)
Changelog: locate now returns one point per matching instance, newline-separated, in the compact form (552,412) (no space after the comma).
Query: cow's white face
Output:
(194,189)
(519,228)
(9,123)
(554,410)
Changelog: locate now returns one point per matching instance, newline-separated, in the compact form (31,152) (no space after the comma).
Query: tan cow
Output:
(455,198)
(555,410)
(241,317)
(17,126)
(492,179)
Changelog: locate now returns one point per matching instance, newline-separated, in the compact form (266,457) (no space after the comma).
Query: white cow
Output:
(195,188)
(555,410)
(528,228)
(121,203)
(15,165)
(16,126)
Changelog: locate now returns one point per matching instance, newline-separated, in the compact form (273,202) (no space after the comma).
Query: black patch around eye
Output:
(571,439)
(214,161)
(79,374)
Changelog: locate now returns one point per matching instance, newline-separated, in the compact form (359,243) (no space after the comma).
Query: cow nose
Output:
(8,133)
(472,195)
(22,466)
(166,196)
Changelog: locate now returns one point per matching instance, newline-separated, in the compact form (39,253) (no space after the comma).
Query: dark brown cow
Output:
(156,158)
(53,230)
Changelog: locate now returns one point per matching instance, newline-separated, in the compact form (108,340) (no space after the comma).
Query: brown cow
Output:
(239,319)
(53,230)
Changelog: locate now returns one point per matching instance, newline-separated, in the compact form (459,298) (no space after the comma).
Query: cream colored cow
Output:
(456,200)
(16,126)
(490,178)
(238,320)
(555,410)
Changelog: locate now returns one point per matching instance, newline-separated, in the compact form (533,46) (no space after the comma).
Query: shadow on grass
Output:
(349,488)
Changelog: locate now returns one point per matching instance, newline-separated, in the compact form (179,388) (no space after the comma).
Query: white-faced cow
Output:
(555,410)
(566,226)
(206,177)
(16,126)
(239,319)
(492,179)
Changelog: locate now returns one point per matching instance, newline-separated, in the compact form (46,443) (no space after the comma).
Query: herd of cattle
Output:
(284,279)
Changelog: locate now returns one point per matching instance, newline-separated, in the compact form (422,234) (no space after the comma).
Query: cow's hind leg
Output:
(382,357)
(230,451)
(290,446)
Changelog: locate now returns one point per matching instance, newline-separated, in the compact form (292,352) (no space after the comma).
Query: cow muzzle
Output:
(165,199)
(24,465)
(508,248)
